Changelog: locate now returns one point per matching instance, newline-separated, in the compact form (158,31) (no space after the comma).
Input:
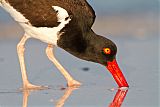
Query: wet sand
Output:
(132,25)
(138,63)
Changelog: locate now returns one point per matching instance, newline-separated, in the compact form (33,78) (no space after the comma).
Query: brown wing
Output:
(41,14)
(82,13)
(91,15)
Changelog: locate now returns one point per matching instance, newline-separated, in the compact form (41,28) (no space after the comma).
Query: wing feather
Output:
(41,14)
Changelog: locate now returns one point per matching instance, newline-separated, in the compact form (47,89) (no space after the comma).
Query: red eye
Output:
(107,51)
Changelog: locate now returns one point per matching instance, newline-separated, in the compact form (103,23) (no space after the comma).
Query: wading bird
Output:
(66,24)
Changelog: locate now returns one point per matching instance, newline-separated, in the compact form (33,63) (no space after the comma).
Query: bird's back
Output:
(41,14)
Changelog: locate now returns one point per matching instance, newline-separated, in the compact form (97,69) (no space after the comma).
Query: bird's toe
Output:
(73,83)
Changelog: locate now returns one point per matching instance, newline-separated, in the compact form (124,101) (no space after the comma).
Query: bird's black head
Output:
(102,50)
(109,51)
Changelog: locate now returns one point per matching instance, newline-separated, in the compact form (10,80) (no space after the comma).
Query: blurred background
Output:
(136,18)
(132,24)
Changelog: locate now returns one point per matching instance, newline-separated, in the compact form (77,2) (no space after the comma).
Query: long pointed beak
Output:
(117,73)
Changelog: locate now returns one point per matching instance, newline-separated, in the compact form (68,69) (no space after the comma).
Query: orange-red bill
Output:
(117,73)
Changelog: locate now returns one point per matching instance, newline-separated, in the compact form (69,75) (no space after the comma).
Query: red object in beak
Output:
(117,74)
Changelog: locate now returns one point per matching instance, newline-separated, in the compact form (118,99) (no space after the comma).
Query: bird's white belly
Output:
(46,34)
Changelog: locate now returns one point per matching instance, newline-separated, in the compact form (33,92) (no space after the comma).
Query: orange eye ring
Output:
(107,51)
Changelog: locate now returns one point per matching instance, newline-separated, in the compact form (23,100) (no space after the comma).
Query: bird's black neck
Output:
(76,43)
(84,46)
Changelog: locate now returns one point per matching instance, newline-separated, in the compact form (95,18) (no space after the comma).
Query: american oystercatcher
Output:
(66,24)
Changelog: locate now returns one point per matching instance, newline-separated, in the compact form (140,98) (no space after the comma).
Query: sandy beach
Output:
(137,39)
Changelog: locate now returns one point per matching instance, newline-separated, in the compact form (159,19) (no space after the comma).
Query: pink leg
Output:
(68,77)
(20,51)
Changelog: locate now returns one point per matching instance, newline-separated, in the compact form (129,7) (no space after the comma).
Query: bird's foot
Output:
(73,83)
(30,86)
